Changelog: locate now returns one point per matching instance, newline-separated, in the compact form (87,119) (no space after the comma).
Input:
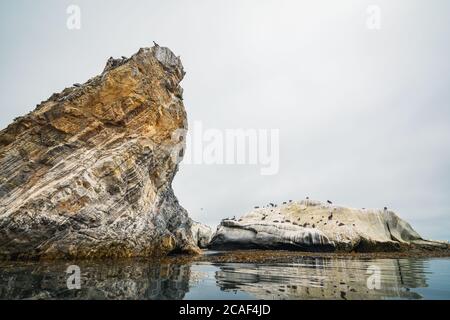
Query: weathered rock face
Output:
(202,234)
(88,173)
(312,226)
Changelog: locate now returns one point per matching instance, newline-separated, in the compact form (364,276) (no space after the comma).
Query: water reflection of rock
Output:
(324,278)
(98,281)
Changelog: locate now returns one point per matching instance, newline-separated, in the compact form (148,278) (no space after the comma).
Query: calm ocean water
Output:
(304,278)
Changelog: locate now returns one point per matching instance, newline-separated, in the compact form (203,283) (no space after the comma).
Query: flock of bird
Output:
(273,205)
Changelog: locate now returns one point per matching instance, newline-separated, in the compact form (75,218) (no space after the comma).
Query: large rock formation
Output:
(88,173)
(202,234)
(313,226)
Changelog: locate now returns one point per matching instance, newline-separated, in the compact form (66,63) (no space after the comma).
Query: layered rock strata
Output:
(88,173)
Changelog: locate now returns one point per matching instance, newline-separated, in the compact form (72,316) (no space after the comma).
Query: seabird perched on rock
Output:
(385,208)
(329,202)
(156,45)
(77,85)
(124,58)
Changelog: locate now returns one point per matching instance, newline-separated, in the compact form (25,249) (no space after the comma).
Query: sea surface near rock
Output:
(88,173)
(314,226)
(301,277)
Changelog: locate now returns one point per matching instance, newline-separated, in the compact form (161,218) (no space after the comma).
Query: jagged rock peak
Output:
(164,55)
(88,173)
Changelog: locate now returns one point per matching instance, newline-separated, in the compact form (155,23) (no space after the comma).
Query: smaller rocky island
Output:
(313,226)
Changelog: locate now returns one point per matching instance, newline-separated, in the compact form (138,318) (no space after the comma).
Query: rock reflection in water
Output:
(303,278)
(113,280)
(324,278)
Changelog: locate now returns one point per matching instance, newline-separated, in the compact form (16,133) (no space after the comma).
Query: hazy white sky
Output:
(364,115)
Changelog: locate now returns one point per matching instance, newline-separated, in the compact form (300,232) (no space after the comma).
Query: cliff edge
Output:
(88,173)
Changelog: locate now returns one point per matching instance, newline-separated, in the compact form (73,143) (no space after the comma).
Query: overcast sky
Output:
(363,114)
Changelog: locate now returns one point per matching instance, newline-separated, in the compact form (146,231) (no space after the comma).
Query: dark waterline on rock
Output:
(304,278)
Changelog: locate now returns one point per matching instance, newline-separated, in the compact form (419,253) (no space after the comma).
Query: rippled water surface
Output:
(305,278)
